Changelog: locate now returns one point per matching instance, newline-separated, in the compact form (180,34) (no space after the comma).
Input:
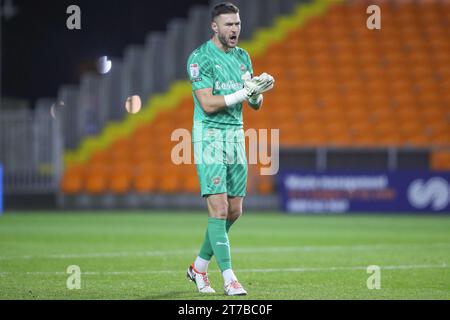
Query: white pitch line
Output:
(234,250)
(398,267)
(305,269)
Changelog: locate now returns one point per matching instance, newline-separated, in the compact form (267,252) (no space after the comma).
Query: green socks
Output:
(206,252)
(216,242)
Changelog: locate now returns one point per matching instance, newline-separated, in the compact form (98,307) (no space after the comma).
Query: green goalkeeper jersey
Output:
(210,67)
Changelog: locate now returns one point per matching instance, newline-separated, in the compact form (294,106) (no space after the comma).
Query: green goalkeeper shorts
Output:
(221,167)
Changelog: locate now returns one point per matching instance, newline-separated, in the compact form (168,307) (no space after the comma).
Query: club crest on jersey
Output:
(216,180)
(195,70)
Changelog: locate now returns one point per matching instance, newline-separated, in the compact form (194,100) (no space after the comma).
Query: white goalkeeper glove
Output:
(259,84)
(253,88)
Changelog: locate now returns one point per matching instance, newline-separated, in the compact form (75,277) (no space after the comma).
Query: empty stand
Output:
(337,84)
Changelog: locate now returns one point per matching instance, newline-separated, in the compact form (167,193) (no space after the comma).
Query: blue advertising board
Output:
(365,191)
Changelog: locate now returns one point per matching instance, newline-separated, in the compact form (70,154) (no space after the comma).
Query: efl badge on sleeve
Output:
(195,70)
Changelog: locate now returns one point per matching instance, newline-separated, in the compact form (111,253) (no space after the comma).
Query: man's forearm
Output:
(215,104)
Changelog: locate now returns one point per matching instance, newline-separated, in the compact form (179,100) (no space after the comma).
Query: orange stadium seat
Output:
(417,139)
(265,184)
(440,160)
(189,180)
(99,157)
(96,176)
(72,179)
(145,177)
(120,178)
(145,183)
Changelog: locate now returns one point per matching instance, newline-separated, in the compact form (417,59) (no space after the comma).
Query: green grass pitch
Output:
(134,255)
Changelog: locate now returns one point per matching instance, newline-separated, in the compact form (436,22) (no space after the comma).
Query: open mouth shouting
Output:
(233,40)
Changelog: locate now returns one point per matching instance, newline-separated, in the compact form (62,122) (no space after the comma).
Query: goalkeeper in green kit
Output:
(221,77)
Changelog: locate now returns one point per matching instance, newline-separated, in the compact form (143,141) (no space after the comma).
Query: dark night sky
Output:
(39,53)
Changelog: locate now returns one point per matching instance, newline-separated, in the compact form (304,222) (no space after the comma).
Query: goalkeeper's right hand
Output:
(259,84)
(252,88)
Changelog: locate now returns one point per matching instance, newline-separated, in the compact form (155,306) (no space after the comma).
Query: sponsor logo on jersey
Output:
(196,79)
(195,70)
(229,85)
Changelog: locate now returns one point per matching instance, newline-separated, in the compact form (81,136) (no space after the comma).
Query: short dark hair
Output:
(223,8)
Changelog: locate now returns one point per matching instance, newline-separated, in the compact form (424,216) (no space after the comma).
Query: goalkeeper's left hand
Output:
(257,85)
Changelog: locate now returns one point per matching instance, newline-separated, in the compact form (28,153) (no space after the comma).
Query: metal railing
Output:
(30,152)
